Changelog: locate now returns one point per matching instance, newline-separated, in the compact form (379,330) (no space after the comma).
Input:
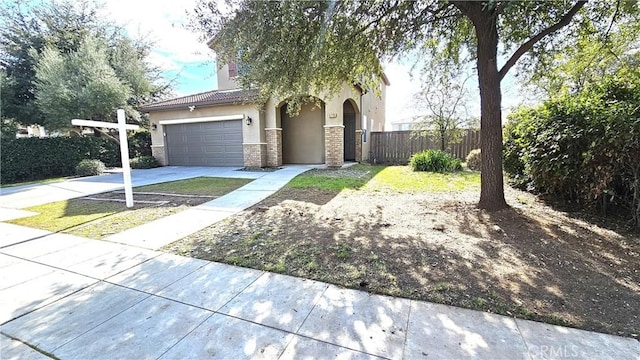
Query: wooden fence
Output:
(396,147)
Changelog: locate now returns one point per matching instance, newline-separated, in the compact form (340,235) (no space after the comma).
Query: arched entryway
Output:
(349,122)
(303,134)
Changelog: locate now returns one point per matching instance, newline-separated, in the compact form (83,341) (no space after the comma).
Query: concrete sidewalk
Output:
(75,298)
(160,232)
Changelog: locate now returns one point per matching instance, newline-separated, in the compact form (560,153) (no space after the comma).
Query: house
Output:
(406,124)
(227,127)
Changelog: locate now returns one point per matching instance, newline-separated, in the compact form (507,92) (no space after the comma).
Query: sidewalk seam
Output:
(526,345)
(406,332)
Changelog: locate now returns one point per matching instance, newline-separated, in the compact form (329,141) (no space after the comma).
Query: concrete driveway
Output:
(20,197)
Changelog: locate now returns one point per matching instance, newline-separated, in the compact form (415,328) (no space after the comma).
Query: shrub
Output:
(29,159)
(144,162)
(474,160)
(90,167)
(435,161)
(139,144)
(582,148)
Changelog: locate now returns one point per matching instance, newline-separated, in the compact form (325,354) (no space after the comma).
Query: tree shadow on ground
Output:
(537,265)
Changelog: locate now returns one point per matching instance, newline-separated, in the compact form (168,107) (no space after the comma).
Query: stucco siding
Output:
(303,136)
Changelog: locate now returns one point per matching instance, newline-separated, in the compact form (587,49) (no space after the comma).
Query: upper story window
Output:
(233,70)
(236,69)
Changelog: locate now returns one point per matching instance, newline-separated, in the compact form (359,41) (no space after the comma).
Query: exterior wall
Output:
(333,125)
(224,81)
(302,136)
(334,145)
(251,134)
(359,145)
(157,151)
(373,117)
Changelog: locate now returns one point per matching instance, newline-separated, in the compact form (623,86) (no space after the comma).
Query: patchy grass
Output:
(97,219)
(127,219)
(197,186)
(403,179)
(62,215)
(353,177)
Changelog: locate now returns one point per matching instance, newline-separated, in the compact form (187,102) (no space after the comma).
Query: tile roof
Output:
(208,98)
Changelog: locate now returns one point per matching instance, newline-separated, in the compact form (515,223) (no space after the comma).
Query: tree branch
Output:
(566,19)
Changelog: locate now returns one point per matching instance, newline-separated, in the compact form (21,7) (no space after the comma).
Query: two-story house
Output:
(227,127)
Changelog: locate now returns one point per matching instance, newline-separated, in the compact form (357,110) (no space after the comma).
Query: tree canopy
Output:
(78,85)
(292,47)
(58,55)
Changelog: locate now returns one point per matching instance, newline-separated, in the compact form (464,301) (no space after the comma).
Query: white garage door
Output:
(217,143)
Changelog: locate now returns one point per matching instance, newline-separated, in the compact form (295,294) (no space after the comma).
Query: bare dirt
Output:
(147,207)
(529,261)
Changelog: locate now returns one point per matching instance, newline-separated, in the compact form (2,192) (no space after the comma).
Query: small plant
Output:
(435,161)
(474,160)
(90,167)
(144,162)
(344,251)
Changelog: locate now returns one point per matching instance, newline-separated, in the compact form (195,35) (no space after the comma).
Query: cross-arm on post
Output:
(124,147)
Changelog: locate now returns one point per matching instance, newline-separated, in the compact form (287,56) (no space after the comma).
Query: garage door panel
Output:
(205,144)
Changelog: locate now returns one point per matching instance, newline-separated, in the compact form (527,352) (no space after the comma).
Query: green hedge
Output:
(29,159)
(139,144)
(581,148)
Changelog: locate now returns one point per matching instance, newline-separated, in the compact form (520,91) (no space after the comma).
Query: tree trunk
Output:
(492,184)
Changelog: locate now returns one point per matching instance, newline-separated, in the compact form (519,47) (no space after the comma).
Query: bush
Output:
(29,159)
(144,162)
(90,167)
(582,148)
(139,144)
(474,160)
(435,161)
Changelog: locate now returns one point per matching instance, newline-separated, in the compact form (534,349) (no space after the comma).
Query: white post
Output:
(124,153)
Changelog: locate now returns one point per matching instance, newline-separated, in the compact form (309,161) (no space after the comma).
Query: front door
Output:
(349,134)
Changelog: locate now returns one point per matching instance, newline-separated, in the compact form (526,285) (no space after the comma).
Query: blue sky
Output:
(181,55)
(187,60)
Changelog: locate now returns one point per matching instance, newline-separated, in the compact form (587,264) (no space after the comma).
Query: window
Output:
(236,69)
(233,70)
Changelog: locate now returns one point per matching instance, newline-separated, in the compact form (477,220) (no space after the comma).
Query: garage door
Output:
(217,143)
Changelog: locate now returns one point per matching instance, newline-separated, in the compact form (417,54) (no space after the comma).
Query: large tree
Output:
(28,29)
(291,47)
(78,85)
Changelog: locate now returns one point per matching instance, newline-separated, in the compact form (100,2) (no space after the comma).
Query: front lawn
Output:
(99,216)
(207,186)
(403,179)
(388,230)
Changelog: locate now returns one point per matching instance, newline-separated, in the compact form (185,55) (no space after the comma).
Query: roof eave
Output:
(187,105)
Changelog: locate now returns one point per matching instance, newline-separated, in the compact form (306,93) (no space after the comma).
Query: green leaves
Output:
(582,148)
(79,84)
(85,64)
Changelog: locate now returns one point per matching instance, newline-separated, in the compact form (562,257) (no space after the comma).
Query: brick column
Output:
(255,155)
(157,151)
(274,146)
(334,145)
(359,145)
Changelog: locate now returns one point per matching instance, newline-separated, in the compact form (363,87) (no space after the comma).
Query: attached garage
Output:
(212,143)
